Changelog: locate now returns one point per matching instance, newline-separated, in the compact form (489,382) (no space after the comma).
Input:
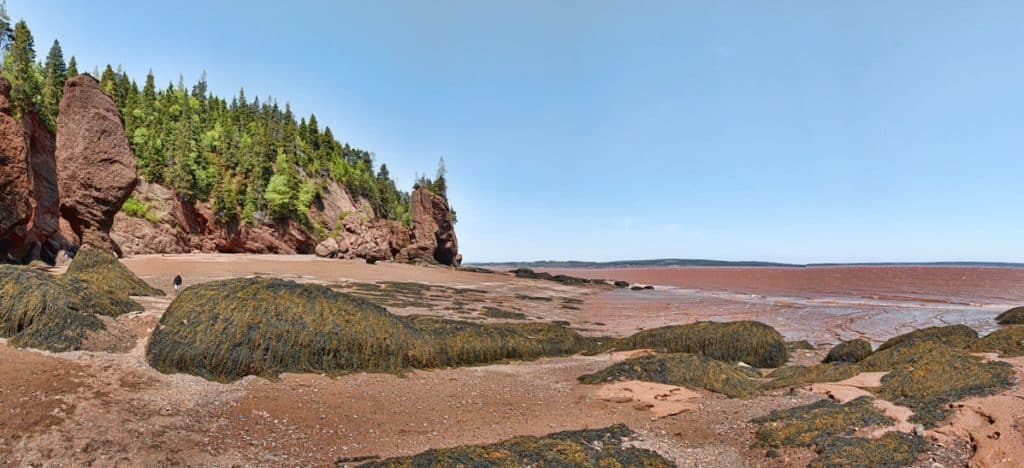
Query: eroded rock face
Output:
(95,166)
(45,200)
(15,208)
(433,233)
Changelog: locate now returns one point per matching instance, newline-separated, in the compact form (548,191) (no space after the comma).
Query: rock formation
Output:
(15,208)
(43,240)
(433,233)
(95,165)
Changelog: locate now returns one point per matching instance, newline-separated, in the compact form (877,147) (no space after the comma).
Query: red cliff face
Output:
(15,208)
(95,165)
(433,233)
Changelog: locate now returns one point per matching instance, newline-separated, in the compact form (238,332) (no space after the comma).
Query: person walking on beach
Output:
(177,282)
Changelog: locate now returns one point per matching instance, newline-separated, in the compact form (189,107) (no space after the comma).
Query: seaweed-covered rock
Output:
(801,345)
(1014,316)
(745,341)
(605,447)
(892,450)
(55,313)
(103,271)
(817,422)
(1008,342)
(224,330)
(849,351)
(684,370)
(954,336)
(791,376)
(926,376)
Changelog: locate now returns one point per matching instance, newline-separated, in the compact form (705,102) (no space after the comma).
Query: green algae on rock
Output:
(953,336)
(224,330)
(1008,342)
(891,450)
(1014,316)
(817,423)
(607,447)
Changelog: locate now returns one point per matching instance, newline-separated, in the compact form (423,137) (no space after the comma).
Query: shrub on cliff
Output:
(103,271)
(224,330)
(55,313)
(849,351)
(685,370)
(751,342)
(605,447)
(1014,316)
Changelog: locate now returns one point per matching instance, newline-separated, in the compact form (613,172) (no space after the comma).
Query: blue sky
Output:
(790,131)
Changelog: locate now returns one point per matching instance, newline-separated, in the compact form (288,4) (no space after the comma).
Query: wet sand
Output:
(111,409)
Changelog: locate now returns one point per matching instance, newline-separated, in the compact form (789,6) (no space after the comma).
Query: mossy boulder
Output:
(605,447)
(1008,342)
(685,370)
(1014,316)
(103,271)
(817,423)
(849,351)
(51,312)
(747,341)
(224,330)
(953,336)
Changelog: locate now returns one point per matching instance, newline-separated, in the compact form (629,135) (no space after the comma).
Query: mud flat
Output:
(109,408)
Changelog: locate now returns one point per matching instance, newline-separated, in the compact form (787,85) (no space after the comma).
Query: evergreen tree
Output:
(54,75)
(20,70)
(6,33)
(108,81)
(72,67)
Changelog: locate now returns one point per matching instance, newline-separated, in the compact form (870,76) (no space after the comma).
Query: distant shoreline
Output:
(726,263)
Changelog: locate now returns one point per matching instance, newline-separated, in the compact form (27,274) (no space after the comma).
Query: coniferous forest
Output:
(253,160)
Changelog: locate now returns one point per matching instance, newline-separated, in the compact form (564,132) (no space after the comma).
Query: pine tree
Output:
(54,75)
(6,34)
(108,81)
(149,89)
(440,185)
(20,69)
(73,67)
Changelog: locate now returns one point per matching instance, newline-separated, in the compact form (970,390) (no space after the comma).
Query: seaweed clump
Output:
(926,376)
(894,449)
(791,376)
(607,447)
(747,341)
(1014,316)
(849,351)
(953,336)
(496,313)
(103,271)
(564,279)
(51,312)
(686,370)
(224,330)
(817,423)
(1008,342)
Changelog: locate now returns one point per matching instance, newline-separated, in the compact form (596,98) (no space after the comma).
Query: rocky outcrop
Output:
(373,240)
(95,165)
(43,239)
(433,232)
(15,208)
(182,227)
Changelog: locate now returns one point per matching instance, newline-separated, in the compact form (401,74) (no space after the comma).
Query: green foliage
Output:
(753,343)
(139,209)
(604,447)
(686,370)
(849,351)
(21,69)
(55,72)
(5,26)
(224,330)
(1014,316)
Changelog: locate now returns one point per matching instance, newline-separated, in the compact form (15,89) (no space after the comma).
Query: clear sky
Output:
(790,131)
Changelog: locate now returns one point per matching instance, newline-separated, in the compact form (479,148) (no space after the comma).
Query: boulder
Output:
(95,166)
(433,237)
(328,248)
(15,186)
